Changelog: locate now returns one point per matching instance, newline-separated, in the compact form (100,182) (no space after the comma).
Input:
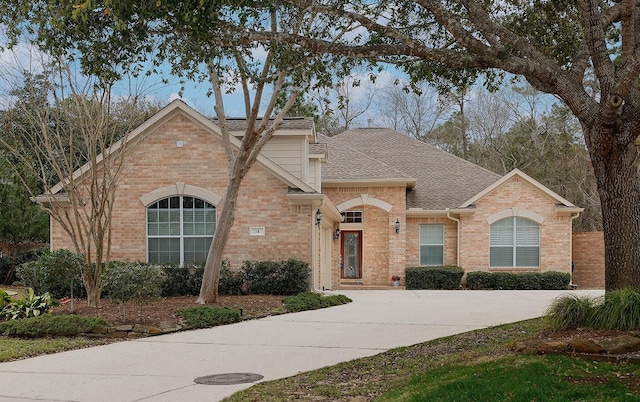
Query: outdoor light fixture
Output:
(336,235)
(318,217)
(397,226)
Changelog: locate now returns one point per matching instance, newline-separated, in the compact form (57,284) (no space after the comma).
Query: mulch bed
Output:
(160,313)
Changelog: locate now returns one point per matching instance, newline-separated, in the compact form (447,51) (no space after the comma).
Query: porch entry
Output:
(351,254)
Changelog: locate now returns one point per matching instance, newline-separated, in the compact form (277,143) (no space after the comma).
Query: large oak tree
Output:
(585,52)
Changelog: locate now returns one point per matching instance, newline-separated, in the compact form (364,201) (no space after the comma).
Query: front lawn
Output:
(474,366)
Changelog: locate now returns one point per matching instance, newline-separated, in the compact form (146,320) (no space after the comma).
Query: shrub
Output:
(230,281)
(278,278)
(619,310)
(7,263)
(569,311)
(50,325)
(126,281)
(480,280)
(176,281)
(57,272)
(206,316)
(445,277)
(186,281)
(312,301)
(551,280)
(529,281)
(506,280)
(28,306)
(554,280)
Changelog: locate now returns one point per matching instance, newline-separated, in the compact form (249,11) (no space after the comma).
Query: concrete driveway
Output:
(163,368)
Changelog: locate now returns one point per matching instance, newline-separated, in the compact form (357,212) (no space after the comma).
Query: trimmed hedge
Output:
(50,325)
(206,316)
(288,277)
(182,281)
(551,280)
(445,277)
(313,301)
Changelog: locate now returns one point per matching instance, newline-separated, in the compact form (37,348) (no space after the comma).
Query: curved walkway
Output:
(163,368)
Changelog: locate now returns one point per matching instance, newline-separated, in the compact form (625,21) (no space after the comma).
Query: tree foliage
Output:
(58,128)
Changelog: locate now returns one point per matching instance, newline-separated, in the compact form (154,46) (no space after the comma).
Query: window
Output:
(353,217)
(515,242)
(431,244)
(180,230)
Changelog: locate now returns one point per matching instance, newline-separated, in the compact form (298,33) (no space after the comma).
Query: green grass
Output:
(473,366)
(520,378)
(12,349)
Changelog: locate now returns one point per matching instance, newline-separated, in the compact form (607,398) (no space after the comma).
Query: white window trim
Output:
(421,244)
(181,236)
(514,246)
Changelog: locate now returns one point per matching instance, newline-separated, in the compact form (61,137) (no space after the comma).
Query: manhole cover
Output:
(228,378)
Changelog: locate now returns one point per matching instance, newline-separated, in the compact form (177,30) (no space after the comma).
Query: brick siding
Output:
(588,260)
(157,162)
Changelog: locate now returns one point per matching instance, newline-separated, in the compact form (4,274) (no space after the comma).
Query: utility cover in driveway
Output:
(228,379)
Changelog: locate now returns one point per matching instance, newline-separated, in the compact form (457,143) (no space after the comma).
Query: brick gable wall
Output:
(555,239)
(156,162)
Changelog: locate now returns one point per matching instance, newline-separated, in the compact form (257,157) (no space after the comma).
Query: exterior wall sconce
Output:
(397,226)
(318,217)
(336,235)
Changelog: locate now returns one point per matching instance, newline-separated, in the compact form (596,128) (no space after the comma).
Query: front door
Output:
(351,255)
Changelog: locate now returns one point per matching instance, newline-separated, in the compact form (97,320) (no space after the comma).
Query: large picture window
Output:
(180,230)
(431,244)
(515,242)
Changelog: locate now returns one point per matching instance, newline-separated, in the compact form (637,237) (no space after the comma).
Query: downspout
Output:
(571,245)
(458,235)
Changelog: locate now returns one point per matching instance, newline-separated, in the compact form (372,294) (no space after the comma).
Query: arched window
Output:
(515,242)
(180,230)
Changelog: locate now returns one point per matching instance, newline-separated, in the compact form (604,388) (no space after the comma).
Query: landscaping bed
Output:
(160,313)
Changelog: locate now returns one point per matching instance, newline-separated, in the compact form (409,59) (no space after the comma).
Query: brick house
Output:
(359,207)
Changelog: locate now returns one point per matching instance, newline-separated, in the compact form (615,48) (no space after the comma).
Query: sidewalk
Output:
(163,368)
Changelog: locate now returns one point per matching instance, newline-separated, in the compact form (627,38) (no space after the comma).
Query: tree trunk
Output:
(211,276)
(615,163)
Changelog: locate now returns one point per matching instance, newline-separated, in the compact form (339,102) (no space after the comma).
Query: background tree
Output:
(60,122)
(412,110)
(22,223)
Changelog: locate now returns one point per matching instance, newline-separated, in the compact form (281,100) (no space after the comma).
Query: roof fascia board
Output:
(439,213)
(408,183)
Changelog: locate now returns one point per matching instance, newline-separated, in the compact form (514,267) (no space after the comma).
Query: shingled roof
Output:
(289,123)
(442,180)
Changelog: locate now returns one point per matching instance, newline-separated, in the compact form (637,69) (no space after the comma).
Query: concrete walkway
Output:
(163,368)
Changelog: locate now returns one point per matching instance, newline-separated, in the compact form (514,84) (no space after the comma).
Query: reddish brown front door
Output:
(351,255)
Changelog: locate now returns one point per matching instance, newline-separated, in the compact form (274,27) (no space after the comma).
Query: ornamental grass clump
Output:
(619,309)
(569,311)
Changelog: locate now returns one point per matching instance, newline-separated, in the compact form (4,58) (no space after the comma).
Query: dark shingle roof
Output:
(348,163)
(289,123)
(442,180)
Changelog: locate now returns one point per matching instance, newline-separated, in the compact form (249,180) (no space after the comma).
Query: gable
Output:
(191,122)
(513,178)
